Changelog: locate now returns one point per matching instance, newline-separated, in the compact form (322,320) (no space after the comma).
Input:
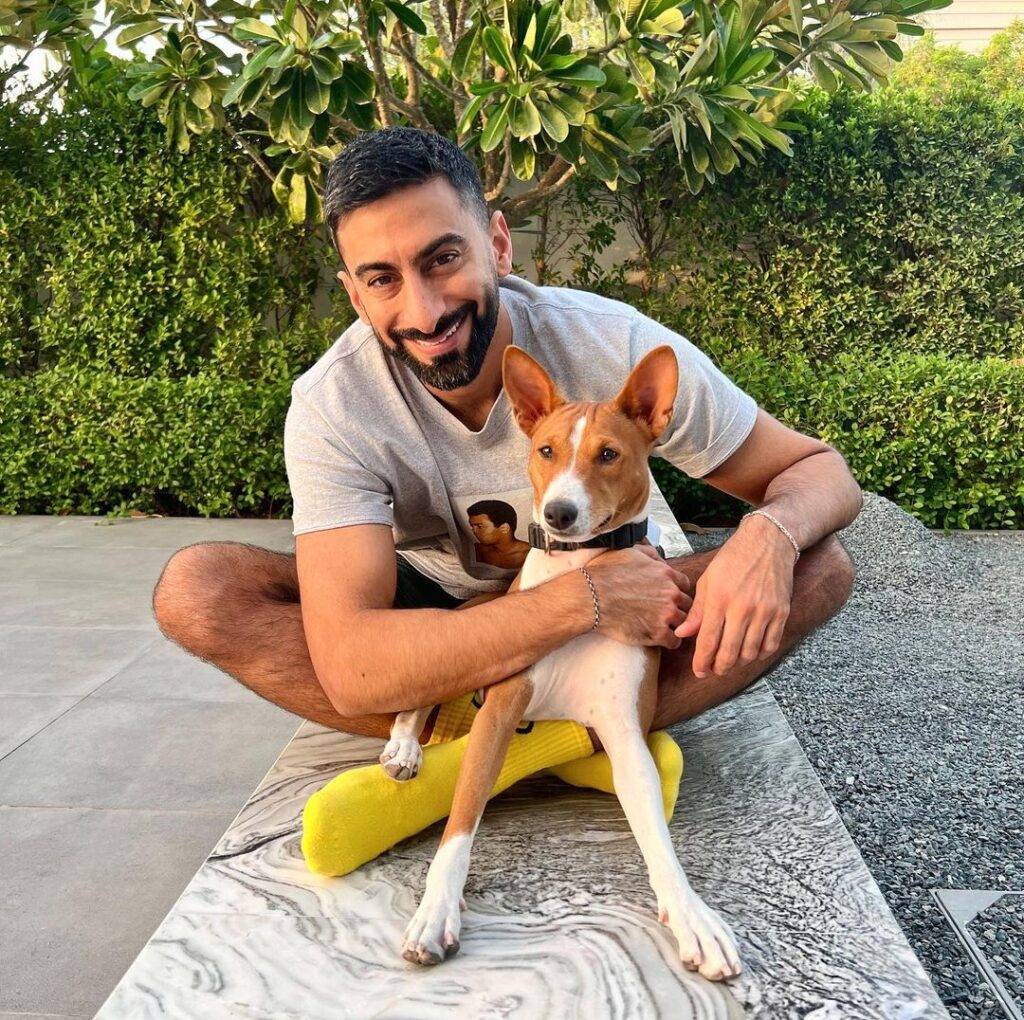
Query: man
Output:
(493,524)
(402,427)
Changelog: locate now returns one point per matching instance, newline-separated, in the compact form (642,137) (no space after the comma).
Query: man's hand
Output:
(742,600)
(642,598)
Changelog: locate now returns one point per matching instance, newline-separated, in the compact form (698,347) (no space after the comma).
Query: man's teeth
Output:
(446,336)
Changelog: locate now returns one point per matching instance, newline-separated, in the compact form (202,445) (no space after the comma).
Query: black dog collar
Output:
(623,537)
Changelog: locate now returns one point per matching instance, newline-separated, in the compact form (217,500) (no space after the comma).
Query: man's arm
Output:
(743,599)
(372,658)
(802,481)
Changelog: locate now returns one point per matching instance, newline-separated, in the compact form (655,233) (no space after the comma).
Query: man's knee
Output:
(834,572)
(186,589)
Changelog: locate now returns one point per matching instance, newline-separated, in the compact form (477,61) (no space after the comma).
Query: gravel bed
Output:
(909,703)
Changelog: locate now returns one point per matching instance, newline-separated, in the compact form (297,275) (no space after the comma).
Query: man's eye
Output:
(607,455)
(447,258)
(378,279)
(545,452)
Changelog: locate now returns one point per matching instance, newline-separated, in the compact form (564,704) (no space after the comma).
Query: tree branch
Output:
(515,207)
(444,36)
(379,71)
(412,74)
(403,52)
(251,152)
(506,171)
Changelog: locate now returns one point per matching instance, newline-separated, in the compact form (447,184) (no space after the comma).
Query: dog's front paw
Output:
(706,944)
(402,757)
(433,933)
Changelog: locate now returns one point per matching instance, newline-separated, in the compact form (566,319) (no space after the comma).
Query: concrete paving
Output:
(122,758)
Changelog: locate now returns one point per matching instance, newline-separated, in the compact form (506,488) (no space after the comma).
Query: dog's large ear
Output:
(649,395)
(529,388)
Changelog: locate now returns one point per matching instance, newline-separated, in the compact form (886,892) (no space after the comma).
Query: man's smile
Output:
(445,341)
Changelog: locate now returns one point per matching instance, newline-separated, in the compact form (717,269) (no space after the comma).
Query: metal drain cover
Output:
(990,924)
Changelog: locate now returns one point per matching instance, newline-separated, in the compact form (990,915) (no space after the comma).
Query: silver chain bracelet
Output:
(779,525)
(593,592)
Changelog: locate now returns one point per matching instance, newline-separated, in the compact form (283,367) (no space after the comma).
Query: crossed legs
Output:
(237,606)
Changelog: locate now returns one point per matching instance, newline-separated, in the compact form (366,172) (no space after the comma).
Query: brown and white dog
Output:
(589,470)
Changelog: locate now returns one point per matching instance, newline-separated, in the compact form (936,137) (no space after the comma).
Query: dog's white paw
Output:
(433,933)
(402,757)
(706,943)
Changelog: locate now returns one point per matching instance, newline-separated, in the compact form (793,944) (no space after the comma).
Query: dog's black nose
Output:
(560,513)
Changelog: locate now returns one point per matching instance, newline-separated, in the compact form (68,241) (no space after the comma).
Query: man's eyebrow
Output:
(450,238)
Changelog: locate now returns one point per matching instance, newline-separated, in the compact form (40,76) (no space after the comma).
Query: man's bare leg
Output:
(822,583)
(237,606)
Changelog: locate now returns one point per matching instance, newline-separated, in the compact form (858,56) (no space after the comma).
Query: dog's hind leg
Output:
(402,754)
(705,942)
(433,932)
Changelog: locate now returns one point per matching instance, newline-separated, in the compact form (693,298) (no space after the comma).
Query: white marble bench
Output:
(560,920)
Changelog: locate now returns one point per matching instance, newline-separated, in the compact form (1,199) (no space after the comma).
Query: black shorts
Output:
(417,591)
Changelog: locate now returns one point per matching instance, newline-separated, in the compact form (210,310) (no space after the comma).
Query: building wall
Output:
(972,23)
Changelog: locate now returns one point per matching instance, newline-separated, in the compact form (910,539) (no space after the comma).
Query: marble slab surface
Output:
(560,918)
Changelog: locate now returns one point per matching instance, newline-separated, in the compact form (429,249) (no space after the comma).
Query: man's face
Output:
(484,530)
(417,263)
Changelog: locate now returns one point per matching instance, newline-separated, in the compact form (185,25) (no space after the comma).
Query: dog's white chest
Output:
(591,674)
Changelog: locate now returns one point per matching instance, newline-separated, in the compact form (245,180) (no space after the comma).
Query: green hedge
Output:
(941,435)
(869,291)
(154,308)
(87,441)
(120,257)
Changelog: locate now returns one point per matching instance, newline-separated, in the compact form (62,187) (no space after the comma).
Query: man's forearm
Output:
(409,658)
(814,497)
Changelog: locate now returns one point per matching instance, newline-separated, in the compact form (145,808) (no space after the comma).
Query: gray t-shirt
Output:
(366,443)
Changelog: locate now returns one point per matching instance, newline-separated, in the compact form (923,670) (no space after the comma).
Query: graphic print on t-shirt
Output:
(495,526)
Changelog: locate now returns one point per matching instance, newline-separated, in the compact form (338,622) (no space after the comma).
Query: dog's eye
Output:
(545,452)
(607,455)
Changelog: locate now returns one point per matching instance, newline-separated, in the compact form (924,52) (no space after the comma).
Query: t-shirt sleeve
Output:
(330,488)
(712,414)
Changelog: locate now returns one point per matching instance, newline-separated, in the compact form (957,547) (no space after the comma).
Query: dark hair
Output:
(377,163)
(497,510)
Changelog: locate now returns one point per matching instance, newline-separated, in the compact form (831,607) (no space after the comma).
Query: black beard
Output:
(455,369)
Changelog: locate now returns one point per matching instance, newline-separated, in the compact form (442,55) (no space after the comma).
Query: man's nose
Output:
(560,513)
(423,309)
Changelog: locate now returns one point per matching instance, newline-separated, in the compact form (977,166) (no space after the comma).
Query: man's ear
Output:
(649,395)
(529,388)
(501,242)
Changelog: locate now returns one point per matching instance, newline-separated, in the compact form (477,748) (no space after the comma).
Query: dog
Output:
(589,471)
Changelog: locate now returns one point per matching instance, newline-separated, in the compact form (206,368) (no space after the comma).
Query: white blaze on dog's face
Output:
(588,463)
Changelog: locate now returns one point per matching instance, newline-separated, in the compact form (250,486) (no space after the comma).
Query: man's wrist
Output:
(774,530)
(578,615)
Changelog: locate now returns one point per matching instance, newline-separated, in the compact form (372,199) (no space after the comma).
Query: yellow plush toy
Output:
(363,812)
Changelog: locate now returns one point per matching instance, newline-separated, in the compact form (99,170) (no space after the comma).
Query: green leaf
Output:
(324,68)
(252,28)
(318,95)
(825,78)
(575,112)
(498,49)
(582,75)
(553,120)
(796,13)
(469,114)
(525,120)
(359,83)
(494,129)
(524,159)
(135,32)
(701,58)
(407,16)
(297,199)
(464,52)
(200,94)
